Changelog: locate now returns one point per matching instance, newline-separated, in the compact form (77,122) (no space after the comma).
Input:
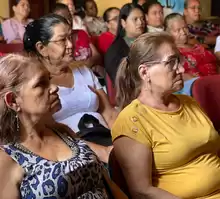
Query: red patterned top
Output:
(199,61)
(82,49)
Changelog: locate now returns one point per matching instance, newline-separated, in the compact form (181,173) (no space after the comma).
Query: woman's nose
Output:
(53,88)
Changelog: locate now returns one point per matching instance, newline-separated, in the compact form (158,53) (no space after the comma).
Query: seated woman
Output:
(131,25)
(77,22)
(13,28)
(166,145)
(105,40)
(154,16)
(198,60)
(39,158)
(94,24)
(85,53)
(80,93)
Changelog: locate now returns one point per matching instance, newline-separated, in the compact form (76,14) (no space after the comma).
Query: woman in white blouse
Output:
(80,91)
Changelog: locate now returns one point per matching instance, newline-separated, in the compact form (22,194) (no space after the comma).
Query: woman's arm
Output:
(10,175)
(108,112)
(135,160)
(116,191)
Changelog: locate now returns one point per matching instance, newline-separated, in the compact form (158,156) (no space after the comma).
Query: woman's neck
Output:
(159,27)
(129,40)
(20,19)
(158,101)
(53,69)
(32,128)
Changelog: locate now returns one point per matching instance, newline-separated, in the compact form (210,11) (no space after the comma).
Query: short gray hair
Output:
(171,17)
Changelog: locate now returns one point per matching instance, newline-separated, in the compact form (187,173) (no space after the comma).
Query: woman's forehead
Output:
(167,50)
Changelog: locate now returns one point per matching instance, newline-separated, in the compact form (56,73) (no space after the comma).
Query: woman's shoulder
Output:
(85,72)
(6,22)
(186,100)
(118,48)
(81,33)
(134,109)
(7,164)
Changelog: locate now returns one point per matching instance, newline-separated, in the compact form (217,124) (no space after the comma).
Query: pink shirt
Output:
(13,30)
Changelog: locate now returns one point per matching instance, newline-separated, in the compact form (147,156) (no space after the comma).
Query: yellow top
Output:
(184,145)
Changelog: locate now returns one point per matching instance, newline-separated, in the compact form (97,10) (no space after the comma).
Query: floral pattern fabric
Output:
(199,61)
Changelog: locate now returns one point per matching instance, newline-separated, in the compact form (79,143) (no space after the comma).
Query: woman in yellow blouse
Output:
(167,147)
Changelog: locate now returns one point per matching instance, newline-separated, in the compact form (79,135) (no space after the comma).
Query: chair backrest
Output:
(207,93)
(110,90)
(116,173)
(11,48)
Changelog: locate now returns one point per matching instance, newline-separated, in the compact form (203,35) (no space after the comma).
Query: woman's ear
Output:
(14,9)
(146,17)
(10,100)
(143,71)
(41,49)
(123,23)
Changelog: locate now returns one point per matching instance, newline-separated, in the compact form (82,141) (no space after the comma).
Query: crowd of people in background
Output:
(58,125)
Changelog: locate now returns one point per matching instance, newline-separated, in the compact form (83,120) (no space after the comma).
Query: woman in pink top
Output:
(13,29)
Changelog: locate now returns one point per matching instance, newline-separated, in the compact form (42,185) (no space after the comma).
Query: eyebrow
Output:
(39,78)
(61,35)
(172,56)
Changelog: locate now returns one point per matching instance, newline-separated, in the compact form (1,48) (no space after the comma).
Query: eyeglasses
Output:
(63,41)
(195,8)
(172,64)
(113,19)
(183,29)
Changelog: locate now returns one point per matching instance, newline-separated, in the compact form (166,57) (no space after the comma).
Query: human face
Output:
(70,5)
(193,12)
(66,14)
(112,23)
(179,30)
(91,9)
(166,75)
(37,96)
(134,25)
(22,9)
(141,2)
(155,16)
(59,48)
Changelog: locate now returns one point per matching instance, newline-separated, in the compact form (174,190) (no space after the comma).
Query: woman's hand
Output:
(105,109)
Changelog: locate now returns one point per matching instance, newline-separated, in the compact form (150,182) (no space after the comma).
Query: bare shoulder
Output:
(11,175)
(8,166)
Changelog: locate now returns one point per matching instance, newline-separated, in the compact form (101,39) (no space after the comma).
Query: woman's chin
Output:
(179,85)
